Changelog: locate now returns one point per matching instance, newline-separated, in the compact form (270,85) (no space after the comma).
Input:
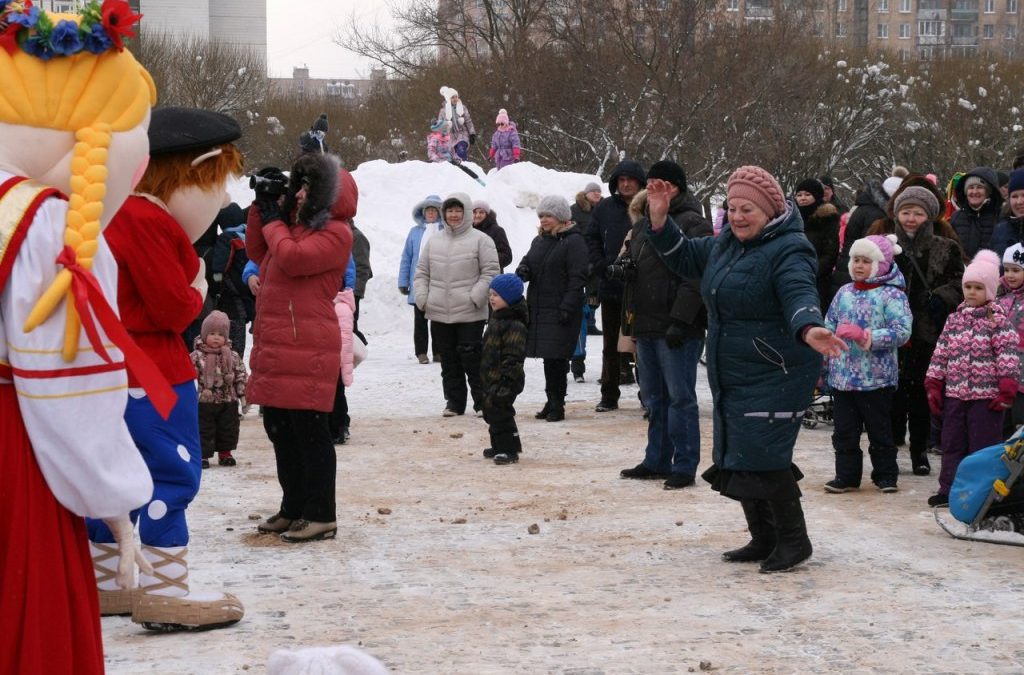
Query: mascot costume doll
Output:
(74,112)
(161,287)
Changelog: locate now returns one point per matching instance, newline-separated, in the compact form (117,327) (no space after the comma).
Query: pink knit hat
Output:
(879,249)
(984,269)
(215,322)
(502,117)
(757,185)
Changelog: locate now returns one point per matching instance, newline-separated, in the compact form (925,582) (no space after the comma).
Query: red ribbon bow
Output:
(89,299)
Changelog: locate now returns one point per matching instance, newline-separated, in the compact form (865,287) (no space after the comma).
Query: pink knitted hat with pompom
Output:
(757,185)
(879,249)
(984,269)
(502,117)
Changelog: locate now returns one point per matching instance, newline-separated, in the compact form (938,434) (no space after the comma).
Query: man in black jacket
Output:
(609,224)
(668,320)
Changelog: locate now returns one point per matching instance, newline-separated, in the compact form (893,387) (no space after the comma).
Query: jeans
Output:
(668,386)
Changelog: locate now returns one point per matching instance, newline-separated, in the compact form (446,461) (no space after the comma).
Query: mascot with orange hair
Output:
(74,112)
(161,287)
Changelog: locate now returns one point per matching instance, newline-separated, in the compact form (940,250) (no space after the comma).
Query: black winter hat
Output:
(668,171)
(1003,177)
(812,185)
(174,129)
(827,180)
(313,140)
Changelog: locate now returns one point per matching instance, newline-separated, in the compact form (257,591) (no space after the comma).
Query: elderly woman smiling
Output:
(764,345)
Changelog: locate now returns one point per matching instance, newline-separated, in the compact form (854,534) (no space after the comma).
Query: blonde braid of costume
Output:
(85,207)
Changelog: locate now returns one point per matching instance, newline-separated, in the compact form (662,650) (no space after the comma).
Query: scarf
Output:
(218,370)
(866,286)
(460,110)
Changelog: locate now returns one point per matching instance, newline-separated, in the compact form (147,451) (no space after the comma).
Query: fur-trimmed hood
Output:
(583,202)
(320,173)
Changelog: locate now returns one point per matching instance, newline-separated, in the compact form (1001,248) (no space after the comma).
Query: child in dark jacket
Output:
(873,316)
(222,376)
(501,366)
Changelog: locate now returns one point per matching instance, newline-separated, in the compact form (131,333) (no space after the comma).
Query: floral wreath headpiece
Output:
(102,27)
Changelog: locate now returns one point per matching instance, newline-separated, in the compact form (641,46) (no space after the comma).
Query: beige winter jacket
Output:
(455,270)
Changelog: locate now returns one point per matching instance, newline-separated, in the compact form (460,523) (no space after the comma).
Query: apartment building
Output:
(344,91)
(914,29)
(237,22)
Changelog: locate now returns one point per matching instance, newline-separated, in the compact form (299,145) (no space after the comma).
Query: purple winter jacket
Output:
(505,146)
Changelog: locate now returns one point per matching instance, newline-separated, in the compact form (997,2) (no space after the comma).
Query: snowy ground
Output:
(433,570)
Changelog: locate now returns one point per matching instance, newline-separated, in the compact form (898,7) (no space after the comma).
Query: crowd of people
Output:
(908,311)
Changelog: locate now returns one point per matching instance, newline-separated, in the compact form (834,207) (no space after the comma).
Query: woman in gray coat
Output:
(765,337)
(452,279)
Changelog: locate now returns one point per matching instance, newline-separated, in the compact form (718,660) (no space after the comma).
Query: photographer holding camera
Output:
(301,240)
(667,319)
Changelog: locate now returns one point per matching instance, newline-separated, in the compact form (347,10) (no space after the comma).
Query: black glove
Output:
(675,336)
(472,139)
(404,290)
(523,272)
(270,210)
(936,310)
(563,317)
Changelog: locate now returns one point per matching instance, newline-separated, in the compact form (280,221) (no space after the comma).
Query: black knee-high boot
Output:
(762,533)
(792,546)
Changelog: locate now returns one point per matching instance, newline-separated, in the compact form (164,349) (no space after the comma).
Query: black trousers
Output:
(870,410)
(420,331)
(339,415)
(306,463)
(218,427)
(611,361)
(910,402)
(459,345)
(554,381)
(500,416)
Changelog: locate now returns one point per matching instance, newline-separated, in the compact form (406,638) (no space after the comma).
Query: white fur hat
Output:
(447,93)
(891,185)
(341,660)
(879,249)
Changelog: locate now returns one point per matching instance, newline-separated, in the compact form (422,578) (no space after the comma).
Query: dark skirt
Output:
(767,485)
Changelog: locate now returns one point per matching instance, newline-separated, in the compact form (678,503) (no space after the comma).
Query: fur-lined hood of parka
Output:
(581,201)
(319,172)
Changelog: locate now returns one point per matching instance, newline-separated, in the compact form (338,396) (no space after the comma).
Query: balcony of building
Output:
(931,40)
(931,14)
(965,15)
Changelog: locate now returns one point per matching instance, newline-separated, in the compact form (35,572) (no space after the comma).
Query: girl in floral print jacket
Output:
(972,378)
(873,316)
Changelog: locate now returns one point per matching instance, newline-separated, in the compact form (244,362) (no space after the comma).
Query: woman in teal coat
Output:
(764,344)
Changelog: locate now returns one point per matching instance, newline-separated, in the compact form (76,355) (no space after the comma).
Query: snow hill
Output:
(387,194)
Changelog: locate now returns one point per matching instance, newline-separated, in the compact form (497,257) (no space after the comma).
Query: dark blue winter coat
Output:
(974,227)
(759,295)
(1008,232)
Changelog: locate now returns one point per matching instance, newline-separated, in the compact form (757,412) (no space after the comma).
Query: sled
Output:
(984,480)
(472,174)
(965,532)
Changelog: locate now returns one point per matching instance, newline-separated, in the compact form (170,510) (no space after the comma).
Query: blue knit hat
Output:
(509,287)
(1016,180)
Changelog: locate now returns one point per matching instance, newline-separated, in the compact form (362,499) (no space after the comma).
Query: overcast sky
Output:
(301,32)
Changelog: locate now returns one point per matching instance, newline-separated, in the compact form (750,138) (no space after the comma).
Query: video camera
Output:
(269,181)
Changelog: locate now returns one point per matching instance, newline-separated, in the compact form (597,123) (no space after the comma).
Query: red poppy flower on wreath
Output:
(9,37)
(118,21)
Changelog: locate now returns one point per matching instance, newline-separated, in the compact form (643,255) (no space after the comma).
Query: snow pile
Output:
(387,195)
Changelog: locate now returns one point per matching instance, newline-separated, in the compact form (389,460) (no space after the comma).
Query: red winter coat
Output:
(296,342)
(156,265)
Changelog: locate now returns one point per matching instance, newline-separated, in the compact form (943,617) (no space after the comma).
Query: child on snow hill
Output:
(972,378)
(505,146)
(221,376)
(501,366)
(873,316)
(1011,299)
(439,143)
